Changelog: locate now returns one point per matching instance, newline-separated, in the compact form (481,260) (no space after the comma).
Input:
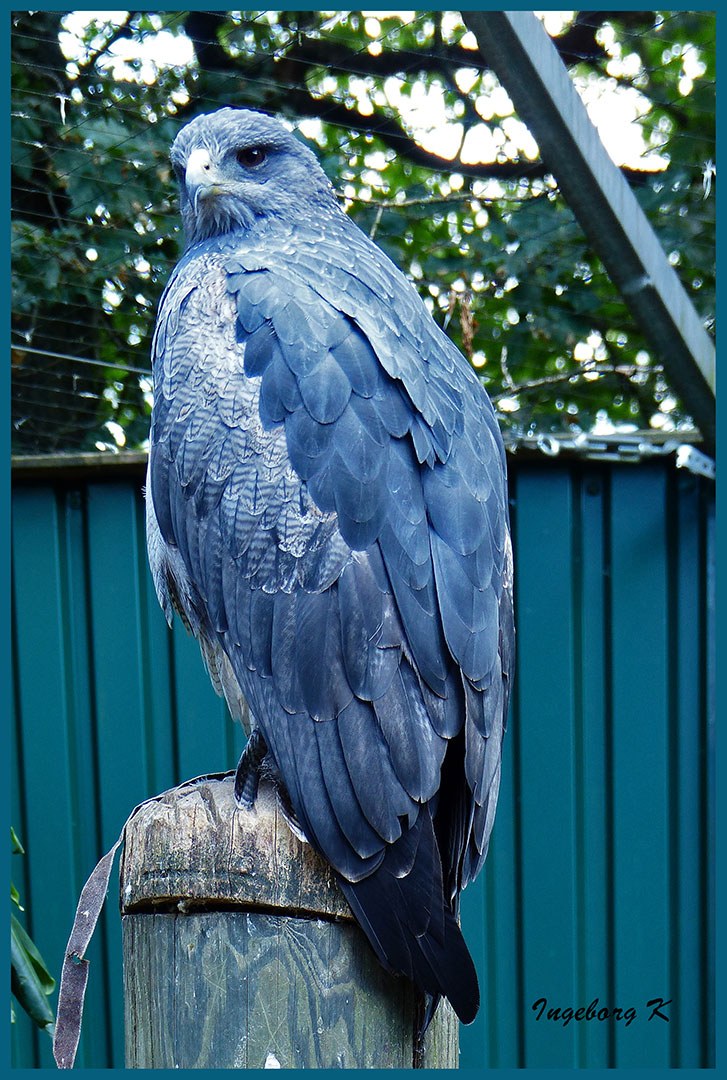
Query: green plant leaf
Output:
(30,980)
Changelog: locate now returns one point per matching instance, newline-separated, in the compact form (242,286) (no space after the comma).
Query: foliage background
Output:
(490,243)
(483,232)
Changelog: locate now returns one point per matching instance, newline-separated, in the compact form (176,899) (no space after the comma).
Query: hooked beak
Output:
(200,178)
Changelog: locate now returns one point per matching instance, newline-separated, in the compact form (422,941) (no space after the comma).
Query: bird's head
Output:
(236,168)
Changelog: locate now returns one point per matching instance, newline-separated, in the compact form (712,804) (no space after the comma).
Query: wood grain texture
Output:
(197,846)
(240,950)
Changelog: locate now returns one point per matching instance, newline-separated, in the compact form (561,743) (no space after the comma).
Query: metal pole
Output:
(517,47)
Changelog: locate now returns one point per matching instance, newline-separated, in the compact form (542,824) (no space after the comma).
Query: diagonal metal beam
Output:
(517,47)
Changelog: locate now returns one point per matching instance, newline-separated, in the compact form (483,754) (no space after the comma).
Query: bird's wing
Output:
(340,514)
(442,524)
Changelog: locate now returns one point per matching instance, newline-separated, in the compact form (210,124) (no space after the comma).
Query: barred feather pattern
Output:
(327,510)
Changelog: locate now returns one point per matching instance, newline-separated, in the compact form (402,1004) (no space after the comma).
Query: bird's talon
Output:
(247,776)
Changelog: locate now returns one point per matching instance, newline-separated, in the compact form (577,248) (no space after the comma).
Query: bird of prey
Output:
(327,512)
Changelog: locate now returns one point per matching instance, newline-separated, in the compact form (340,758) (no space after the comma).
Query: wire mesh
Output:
(490,244)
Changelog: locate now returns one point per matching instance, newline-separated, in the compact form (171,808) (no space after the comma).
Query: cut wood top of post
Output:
(195,849)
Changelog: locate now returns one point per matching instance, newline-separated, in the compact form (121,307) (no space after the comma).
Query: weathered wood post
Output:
(241,952)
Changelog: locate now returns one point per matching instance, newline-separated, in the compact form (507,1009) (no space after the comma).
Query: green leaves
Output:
(30,980)
(490,245)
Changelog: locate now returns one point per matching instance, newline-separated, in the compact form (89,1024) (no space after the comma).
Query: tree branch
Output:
(121,31)
(627,370)
(292,69)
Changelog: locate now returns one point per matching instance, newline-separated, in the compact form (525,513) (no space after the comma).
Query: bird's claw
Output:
(247,775)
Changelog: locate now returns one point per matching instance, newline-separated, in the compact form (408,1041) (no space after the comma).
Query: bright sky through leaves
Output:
(615,110)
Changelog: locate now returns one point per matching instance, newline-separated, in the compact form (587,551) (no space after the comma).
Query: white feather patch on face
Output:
(198,168)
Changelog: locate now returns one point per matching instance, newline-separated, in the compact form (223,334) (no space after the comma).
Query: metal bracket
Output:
(621,447)
(695,461)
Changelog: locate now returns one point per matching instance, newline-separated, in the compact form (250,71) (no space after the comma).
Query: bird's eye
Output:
(250,156)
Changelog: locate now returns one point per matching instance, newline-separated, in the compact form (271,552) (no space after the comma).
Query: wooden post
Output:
(240,951)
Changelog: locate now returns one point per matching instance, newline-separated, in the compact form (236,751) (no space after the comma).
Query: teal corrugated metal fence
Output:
(597,882)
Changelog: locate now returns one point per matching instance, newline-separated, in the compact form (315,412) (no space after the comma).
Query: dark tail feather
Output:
(410,924)
(430,1007)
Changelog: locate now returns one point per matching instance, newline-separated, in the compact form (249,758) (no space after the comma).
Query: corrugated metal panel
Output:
(598,880)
